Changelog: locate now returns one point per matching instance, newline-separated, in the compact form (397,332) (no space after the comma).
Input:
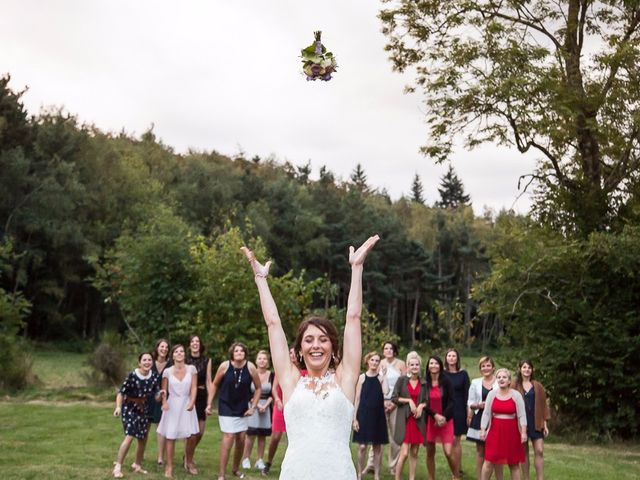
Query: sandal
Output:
(117,470)
(138,469)
(191,469)
(238,474)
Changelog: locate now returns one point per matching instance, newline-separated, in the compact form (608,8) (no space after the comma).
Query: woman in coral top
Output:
(504,427)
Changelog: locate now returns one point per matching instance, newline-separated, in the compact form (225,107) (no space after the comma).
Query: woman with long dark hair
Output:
(460,382)
(440,416)
(537,408)
(197,358)
(131,403)
(160,355)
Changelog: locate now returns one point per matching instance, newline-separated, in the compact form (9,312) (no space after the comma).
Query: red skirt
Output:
(442,434)
(412,434)
(503,443)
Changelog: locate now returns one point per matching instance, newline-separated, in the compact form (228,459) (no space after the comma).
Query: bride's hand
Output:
(259,270)
(357,257)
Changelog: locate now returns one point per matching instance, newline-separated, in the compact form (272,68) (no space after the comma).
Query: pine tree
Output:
(452,191)
(417,190)
(359,179)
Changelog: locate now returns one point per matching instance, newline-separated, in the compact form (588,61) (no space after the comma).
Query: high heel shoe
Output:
(117,470)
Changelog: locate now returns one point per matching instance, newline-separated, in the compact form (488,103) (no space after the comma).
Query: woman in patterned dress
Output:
(131,403)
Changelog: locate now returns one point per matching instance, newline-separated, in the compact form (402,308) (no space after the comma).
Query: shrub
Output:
(108,361)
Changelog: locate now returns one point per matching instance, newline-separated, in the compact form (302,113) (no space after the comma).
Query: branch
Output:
(633,25)
(522,21)
(621,167)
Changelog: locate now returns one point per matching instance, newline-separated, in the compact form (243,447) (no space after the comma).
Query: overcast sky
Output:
(225,75)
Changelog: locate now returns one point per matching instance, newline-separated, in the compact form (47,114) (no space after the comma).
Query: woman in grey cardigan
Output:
(503,427)
(410,394)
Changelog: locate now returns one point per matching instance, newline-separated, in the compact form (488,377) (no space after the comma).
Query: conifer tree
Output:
(359,179)
(417,190)
(452,191)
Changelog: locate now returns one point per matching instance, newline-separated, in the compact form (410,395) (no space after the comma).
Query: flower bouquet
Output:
(318,63)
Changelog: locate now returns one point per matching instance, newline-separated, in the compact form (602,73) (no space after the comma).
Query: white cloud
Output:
(215,74)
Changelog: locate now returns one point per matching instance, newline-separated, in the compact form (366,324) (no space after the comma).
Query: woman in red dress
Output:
(504,427)
(410,394)
(440,416)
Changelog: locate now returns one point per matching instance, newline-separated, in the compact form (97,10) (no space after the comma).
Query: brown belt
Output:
(139,402)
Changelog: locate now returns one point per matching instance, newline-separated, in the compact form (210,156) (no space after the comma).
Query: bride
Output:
(318,408)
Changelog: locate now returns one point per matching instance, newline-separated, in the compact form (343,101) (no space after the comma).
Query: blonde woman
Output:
(503,427)
(478,391)
(410,395)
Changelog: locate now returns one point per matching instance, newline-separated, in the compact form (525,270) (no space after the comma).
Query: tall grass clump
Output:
(108,361)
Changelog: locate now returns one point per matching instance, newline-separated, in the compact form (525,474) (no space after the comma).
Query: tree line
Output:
(108,231)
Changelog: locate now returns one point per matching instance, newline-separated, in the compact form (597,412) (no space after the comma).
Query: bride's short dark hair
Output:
(329,329)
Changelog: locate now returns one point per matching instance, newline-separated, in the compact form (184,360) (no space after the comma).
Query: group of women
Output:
(318,380)
(497,413)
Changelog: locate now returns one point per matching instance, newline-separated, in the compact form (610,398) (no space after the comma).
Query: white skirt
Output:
(233,424)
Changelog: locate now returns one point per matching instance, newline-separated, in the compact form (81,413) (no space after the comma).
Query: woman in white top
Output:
(478,391)
(318,408)
(179,419)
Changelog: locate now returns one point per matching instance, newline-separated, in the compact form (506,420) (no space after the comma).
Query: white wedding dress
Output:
(318,418)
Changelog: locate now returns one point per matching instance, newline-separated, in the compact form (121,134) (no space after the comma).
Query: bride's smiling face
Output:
(316,348)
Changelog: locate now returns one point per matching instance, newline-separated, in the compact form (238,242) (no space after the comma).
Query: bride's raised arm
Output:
(352,344)
(286,372)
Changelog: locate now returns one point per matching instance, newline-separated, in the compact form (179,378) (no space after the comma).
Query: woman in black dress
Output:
(233,379)
(197,358)
(131,403)
(460,381)
(370,422)
(160,356)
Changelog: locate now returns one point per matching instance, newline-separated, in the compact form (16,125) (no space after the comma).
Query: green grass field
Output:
(64,430)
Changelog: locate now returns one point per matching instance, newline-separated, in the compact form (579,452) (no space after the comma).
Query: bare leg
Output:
(225,447)
(479,459)
(404,453)
(487,470)
(456,451)
(248,446)
(237,453)
(362,453)
(431,460)
(190,447)
(413,461)
(538,451)
(499,469)
(273,445)
(142,444)
(161,446)
(447,448)
(515,471)
(170,446)
(525,466)
(377,458)
(124,448)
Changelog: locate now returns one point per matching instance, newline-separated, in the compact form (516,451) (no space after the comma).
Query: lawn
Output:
(46,434)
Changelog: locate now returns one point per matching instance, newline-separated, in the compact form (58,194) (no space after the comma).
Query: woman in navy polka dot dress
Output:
(131,403)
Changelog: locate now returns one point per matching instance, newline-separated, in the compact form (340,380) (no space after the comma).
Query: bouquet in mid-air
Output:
(317,62)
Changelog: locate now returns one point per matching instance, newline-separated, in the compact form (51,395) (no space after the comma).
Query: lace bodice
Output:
(318,417)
